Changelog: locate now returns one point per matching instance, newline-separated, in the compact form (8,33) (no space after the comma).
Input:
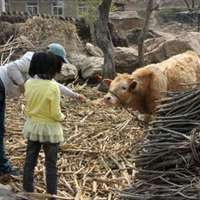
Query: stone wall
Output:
(125,21)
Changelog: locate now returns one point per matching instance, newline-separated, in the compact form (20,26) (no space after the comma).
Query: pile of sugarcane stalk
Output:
(168,160)
(95,158)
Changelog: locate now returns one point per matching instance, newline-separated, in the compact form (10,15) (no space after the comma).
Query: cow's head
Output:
(121,89)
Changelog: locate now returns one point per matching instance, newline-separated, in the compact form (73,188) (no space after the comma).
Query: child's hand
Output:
(81,98)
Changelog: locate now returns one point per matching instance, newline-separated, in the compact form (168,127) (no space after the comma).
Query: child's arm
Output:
(14,73)
(18,70)
(56,113)
(68,92)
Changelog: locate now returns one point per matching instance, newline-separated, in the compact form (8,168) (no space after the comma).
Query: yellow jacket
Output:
(43,111)
(43,100)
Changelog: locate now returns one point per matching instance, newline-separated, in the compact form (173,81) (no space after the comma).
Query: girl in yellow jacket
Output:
(42,127)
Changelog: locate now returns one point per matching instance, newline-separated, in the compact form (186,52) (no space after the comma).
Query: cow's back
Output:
(181,70)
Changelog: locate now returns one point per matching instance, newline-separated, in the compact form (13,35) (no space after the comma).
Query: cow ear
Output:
(132,85)
(106,82)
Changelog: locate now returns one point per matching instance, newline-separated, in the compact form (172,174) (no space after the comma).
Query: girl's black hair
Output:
(59,64)
(44,65)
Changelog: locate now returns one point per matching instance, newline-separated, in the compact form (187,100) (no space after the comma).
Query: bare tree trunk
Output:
(90,21)
(187,4)
(145,29)
(2,6)
(103,38)
(198,4)
(193,4)
(91,25)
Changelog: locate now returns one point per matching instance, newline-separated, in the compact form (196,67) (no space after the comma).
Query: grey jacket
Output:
(15,73)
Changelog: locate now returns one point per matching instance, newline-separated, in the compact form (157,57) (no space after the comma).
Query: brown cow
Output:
(141,89)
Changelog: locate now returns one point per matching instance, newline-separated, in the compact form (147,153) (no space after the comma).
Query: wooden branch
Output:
(168,158)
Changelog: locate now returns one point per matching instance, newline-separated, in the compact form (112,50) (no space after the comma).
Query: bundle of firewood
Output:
(168,160)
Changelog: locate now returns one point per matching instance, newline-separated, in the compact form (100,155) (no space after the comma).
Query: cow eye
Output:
(124,88)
